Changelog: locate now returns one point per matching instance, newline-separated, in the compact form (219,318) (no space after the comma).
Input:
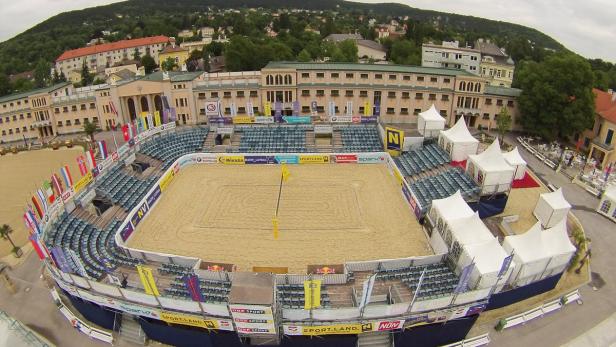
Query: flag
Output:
(37,207)
(465,276)
(112,107)
(66,176)
(367,109)
(249,109)
(42,198)
(285,172)
(91,159)
(49,192)
(144,121)
(275,225)
(81,164)
(312,294)
(349,108)
(150,121)
(102,148)
(367,287)
(31,222)
(40,249)
(192,286)
(57,185)
(147,279)
(157,121)
(267,109)
(59,257)
(125,132)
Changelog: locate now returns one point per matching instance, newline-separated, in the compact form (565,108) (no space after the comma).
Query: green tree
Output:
(98,81)
(169,64)
(41,74)
(22,85)
(348,48)
(86,76)
(556,98)
(405,52)
(136,55)
(5,233)
(148,63)
(90,128)
(214,49)
(503,123)
(304,56)
(5,85)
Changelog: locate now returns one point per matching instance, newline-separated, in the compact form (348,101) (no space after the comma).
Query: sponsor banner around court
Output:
(68,194)
(312,294)
(341,119)
(371,158)
(83,182)
(205,158)
(297,119)
(253,319)
(231,159)
(216,266)
(286,159)
(127,231)
(212,108)
(167,178)
(314,158)
(335,329)
(387,325)
(220,120)
(369,119)
(137,217)
(196,321)
(259,159)
(264,119)
(323,129)
(153,197)
(344,158)
(325,269)
(243,120)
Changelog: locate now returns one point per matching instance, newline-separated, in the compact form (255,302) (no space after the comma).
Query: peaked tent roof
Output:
(528,246)
(470,230)
(431,115)
(452,207)
(557,240)
(491,159)
(459,132)
(488,255)
(513,157)
(556,199)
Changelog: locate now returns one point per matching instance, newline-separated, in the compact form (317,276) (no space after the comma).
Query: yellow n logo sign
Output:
(394,139)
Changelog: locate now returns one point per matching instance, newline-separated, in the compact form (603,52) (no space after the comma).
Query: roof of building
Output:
(33,92)
(173,49)
(372,45)
(605,104)
(463,49)
(502,91)
(342,37)
(366,67)
(83,51)
(124,74)
(174,76)
(489,48)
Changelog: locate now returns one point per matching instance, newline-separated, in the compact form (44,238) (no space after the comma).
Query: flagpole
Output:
(279,193)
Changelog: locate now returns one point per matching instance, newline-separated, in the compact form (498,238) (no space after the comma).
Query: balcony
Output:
(601,144)
(41,123)
(466,111)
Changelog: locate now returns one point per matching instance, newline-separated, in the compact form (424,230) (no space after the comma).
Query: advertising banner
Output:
(259,159)
(387,325)
(153,197)
(371,158)
(331,108)
(349,108)
(83,182)
(231,159)
(253,319)
(369,119)
(394,140)
(267,108)
(505,267)
(345,158)
(212,108)
(79,267)
(57,253)
(220,120)
(167,178)
(337,329)
(147,279)
(205,158)
(377,109)
(286,159)
(139,214)
(367,109)
(195,321)
(68,194)
(323,129)
(297,119)
(314,159)
(126,231)
(341,119)
(313,108)
(277,109)
(296,108)
(264,120)
(243,120)
(367,287)
(312,294)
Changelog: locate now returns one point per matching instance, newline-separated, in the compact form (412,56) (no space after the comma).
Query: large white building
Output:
(450,55)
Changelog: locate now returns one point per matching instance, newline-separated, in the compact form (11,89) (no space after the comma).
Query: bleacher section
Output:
(168,147)
(360,138)
(422,159)
(273,139)
(292,296)
(90,244)
(212,291)
(123,189)
(443,185)
(438,280)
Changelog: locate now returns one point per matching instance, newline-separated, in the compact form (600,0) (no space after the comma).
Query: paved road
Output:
(574,320)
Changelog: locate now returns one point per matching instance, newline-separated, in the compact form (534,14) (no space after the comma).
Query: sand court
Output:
(328,214)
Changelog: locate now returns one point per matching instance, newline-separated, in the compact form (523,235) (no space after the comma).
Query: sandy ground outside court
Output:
(21,175)
(328,214)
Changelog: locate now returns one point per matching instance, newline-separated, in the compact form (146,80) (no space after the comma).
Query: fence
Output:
(22,331)
(481,340)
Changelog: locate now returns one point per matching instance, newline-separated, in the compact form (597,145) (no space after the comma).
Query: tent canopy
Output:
(610,192)
(491,159)
(470,230)
(514,158)
(459,133)
(556,199)
(557,239)
(528,247)
(430,120)
(488,255)
(452,207)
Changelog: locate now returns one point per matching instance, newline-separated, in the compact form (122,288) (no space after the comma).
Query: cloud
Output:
(585,27)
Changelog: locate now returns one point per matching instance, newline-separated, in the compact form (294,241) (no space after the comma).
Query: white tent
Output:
(551,208)
(529,254)
(458,141)
(430,122)
(514,159)
(607,205)
(557,240)
(488,257)
(469,230)
(441,213)
(490,170)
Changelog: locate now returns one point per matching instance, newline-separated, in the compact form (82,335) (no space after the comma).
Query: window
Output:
(83,107)
(433,79)
(419,96)
(378,76)
(21,116)
(241,110)
(444,97)
(3,132)
(288,80)
(404,111)
(320,109)
(320,75)
(305,109)
(350,75)
(305,75)
(201,96)
(486,116)
(214,94)
(14,117)
(605,206)
(68,122)
(499,102)
(391,95)
(420,78)
(443,113)
(239,94)
(334,92)
(608,137)
(56,110)
(74,108)
(77,122)
(320,92)
(363,93)
(348,93)
(488,101)
(305,92)
(17,130)
(92,105)
(269,80)
(392,77)
(227,94)
(510,103)
(253,94)
(446,80)
(10,131)
(416,111)
(364,76)
(335,75)
(405,95)
(361,110)
(431,96)
(390,110)
(406,77)
(474,57)
(202,111)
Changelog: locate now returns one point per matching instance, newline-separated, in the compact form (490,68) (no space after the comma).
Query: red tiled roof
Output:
(83,51)
(605,105)
(171,49)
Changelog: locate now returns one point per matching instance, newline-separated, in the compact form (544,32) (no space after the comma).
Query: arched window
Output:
(605,206)
(131,109)
(144,104)
(269,80)
(462,86)
(287,79)
(477,87)
(278,79)
(158,103)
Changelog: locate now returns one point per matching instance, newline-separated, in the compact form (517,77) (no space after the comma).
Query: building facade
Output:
(599,140)
(496,65)
(450,55)
(395,93)
(99,57)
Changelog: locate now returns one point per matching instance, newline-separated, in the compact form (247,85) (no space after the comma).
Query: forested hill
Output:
(138,18)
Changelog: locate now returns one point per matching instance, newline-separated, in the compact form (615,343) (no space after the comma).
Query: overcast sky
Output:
(587,27)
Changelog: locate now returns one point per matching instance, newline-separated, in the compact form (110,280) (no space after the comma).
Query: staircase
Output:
(210,141)
(131,331)
(337,139)
(375,339)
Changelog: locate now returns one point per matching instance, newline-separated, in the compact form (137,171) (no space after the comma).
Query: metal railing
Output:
(27,335)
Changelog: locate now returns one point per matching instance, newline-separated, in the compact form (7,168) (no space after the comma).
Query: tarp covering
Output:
(551,208)
(450,208)
(458,141)
(430,122)
(490,170)
(488,257)
(489,206)
(514,159)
